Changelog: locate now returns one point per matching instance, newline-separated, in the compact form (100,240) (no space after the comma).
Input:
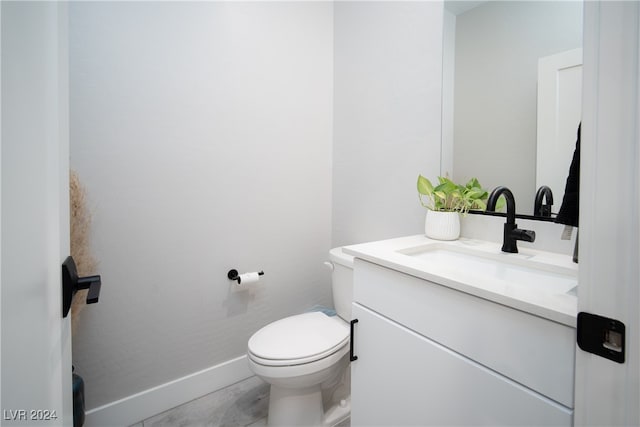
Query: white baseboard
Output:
(137,407)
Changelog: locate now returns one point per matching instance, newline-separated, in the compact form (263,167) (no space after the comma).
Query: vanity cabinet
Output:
(432,355)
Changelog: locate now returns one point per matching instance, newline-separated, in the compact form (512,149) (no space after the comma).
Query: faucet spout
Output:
(544,194)
(511,202)
(511,231)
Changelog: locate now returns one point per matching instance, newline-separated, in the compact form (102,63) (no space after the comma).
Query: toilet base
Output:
(295,407)
(337,413)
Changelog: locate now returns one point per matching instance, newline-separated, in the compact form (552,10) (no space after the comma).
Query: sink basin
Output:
(505,270)
(534,281)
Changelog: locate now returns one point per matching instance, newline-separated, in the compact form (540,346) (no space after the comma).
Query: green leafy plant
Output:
(448,196)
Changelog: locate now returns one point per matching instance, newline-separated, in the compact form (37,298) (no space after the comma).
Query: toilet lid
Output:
(305,336)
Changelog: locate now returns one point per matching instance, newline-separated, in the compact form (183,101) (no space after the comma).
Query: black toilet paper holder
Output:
(233,275)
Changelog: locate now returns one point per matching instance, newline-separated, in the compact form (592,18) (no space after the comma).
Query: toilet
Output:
(305,358)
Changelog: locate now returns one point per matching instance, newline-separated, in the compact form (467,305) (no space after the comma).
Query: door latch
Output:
(601,336)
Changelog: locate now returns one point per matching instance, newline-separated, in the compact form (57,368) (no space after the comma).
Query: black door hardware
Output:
(352,357)
(71,284)
(601,336)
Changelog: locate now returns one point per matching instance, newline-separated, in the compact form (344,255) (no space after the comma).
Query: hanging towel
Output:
(571,201)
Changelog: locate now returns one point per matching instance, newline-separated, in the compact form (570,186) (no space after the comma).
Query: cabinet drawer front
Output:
(404,379)
(532,351)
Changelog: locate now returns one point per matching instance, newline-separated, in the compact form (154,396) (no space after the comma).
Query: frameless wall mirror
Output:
(496,125)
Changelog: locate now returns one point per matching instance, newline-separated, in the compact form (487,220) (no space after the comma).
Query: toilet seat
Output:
(298,340)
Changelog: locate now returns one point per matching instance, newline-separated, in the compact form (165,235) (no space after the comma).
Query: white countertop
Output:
(398,254)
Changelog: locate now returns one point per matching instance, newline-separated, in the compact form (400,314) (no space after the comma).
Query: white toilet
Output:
(305,358)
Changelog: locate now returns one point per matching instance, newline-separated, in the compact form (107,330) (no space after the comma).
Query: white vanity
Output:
(459,333)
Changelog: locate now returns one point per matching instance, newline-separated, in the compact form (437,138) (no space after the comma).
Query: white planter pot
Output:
(442,225)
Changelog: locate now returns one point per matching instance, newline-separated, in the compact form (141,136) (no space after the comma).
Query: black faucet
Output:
(511,231)
(543,193)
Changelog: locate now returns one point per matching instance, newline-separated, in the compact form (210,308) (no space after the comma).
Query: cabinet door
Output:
(402,378)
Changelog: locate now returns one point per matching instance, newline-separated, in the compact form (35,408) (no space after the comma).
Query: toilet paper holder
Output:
(233,275)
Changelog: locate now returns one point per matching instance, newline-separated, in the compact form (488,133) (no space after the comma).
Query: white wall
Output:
(202,132)
(497,49)
(388,72)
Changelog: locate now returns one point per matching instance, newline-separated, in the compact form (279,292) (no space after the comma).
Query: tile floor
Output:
(243,404)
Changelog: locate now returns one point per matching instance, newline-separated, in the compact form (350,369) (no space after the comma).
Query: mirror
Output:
(490,92)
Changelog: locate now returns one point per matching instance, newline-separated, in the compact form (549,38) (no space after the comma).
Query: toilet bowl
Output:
(305,358)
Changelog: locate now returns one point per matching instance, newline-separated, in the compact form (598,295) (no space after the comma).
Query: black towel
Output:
(571,201)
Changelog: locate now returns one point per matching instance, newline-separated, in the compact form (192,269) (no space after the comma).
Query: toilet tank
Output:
(342,282)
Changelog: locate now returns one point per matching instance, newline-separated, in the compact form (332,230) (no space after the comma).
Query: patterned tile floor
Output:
(243,404)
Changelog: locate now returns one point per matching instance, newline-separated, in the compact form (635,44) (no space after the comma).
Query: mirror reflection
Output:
(496,125)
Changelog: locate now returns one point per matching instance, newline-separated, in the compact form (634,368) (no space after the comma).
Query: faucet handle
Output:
(524,235)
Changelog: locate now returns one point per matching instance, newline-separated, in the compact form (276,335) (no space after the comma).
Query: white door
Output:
(606,392)
(36,340)
(559,113)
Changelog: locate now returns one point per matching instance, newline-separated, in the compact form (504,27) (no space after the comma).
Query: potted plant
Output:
(446,201)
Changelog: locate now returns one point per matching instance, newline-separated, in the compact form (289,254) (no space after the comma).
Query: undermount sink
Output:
(534,281)
(465,264)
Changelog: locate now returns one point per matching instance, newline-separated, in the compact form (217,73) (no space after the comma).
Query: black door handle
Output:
(352,356)
(71,284)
